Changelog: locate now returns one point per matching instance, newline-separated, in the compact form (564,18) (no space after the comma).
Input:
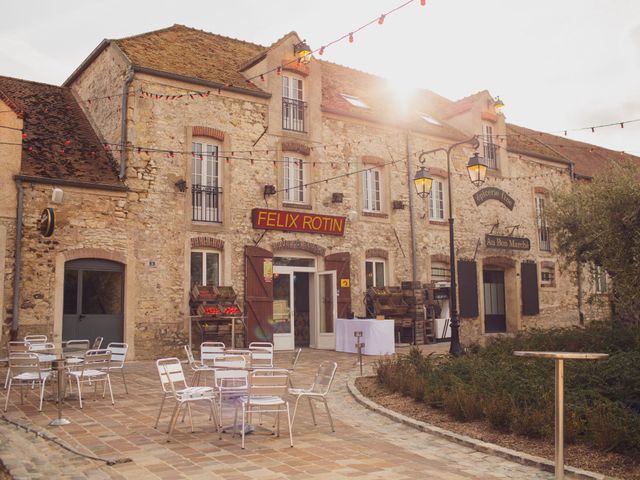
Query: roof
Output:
(192,53)
(59,141)
(588,159)
(374,91)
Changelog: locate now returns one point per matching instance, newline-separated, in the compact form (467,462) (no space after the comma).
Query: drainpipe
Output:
(123,123)
(18,263)
(578,268)
(412,213)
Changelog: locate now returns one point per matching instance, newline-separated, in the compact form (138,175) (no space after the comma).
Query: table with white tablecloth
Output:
(377,336)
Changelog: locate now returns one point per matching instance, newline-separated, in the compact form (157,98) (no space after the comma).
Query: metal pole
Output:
(559,433)
(454,348)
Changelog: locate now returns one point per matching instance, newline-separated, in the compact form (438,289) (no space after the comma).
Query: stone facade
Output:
(150,228)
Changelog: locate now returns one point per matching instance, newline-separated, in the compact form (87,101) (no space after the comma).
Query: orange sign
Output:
(297,221)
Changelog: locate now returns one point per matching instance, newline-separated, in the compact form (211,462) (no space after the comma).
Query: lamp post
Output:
(477,169)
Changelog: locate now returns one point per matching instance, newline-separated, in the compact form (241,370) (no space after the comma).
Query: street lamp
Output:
(477,169)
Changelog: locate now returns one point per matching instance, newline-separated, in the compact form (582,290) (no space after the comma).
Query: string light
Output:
(381,20)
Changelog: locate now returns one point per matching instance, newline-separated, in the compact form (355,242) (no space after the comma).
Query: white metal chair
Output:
(25,369)
(93,370)
(230,378)
(209,351)
(261,354)
(15,346)
(97,343)
(267,388)
(118,356)
(35,339)
(294,362)
(75,350)
(197,367)
(318,390)
(174,385)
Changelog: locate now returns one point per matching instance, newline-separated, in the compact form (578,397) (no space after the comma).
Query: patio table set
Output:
(245,379)
(32,362)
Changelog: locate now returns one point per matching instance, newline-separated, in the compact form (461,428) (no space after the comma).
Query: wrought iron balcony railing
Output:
(205,203)
(293,114)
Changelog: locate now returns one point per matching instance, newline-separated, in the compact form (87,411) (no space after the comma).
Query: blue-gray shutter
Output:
(468,288)
(529,279)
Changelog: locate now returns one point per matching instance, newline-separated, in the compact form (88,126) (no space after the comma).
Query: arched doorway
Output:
(93,303)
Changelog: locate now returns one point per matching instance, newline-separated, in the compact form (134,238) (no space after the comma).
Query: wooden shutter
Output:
(529,279)
(468,288)
(341,263)
(258,295)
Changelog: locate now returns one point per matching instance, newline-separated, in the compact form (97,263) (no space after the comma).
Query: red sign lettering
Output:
(297,222)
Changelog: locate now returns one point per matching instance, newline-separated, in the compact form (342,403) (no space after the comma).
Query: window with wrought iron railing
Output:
(293,114)
(543,230)
(490,148)
(205,203)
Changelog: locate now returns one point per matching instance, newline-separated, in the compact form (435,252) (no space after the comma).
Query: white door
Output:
(326,311)
(283,308)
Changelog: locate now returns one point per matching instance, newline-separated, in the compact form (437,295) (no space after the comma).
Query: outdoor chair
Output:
(267,388)
(197,367)
(15,346)
(294,362)
(210,351)
(93,370)
(35,339)
(318,390)
(25,369)
(97,343)
(174,385)
(230,378)
(75,350)
(261,354)
(118,357)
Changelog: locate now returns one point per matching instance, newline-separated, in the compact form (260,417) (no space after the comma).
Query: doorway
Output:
(93,303)
(495,319)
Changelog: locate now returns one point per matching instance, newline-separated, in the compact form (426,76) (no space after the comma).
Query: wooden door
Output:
(258,294)
(341,263)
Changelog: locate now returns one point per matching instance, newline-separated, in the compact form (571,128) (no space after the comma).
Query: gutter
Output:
(72,183)
(123,123)
(18,262)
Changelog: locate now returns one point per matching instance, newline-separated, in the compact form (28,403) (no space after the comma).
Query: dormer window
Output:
(429,119)
(355,101)
(490,148)
(293,104)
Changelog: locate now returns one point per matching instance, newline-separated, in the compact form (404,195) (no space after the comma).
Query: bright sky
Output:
(556,64)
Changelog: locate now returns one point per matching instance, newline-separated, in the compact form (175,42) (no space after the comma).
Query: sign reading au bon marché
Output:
(507,243)
(493,193)
(297,221)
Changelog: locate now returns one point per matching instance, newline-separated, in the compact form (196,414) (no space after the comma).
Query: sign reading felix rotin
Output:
(508,243)
(493,193)
(297,221)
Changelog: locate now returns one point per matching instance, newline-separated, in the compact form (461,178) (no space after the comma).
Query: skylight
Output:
(355,101)
(429,119)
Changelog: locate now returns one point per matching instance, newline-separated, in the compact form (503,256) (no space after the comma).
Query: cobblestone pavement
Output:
(365,445)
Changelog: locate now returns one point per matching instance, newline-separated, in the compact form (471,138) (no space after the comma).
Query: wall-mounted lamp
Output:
(269,190)
(498,104)
(181,185)
(337,197)
(302,52)
(56,195)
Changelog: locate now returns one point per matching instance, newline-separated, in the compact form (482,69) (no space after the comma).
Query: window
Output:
(205,183)
(490,148)
(294,173)
(543,230)
(371,190)
(374,270)
(436,201)
(355,101)
(600,279)
(205,268)
(547,276)
(429,119)
(440,272)
(293,106)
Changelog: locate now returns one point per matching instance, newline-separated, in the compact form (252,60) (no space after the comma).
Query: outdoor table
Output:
(559,358)
(377,336)
(57,356)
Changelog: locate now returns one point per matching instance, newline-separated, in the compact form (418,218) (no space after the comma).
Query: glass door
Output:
(327,311)
(283,309)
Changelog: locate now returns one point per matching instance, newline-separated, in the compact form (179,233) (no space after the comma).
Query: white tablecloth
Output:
(377,336)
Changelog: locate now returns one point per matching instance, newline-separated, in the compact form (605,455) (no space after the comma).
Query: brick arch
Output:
(440,258)
(296,147)
(376,253)
(95,253)
(498,261)
(207,242)
(541,190)
(372,160)
(210,132)
(298,245)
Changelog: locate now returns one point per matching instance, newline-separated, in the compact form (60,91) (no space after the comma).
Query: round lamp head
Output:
(498,104)
(302,52)
(477,168)
(423,182)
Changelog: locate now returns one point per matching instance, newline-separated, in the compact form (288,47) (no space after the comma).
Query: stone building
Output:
(211,160)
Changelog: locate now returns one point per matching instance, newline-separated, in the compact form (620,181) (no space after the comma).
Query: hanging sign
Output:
(46,223)
(493,193)
(507,243)
(297,221)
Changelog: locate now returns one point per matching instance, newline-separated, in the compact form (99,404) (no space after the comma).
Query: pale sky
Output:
(556,64)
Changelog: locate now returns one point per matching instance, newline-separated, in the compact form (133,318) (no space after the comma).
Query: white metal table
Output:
(559,358)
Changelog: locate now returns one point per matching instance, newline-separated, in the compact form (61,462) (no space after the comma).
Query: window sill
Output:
(302,206)
(551,286)
(441,223)
(366,213)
